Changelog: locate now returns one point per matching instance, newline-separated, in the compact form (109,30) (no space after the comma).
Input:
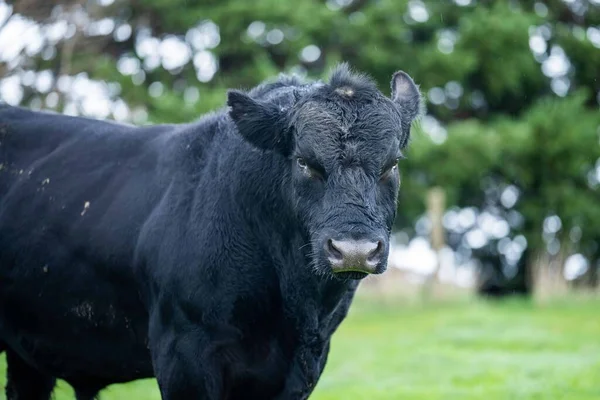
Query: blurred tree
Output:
(533,181)
(512,86)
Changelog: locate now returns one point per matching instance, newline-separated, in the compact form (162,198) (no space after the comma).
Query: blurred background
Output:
(500,193)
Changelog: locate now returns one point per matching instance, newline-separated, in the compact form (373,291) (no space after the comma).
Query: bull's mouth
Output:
(350,274)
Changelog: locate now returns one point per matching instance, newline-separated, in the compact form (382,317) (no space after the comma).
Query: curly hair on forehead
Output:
(344,81)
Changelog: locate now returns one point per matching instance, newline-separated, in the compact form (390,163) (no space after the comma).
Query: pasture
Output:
(460,350)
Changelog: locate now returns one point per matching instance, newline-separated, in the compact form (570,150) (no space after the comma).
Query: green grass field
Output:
(474,350)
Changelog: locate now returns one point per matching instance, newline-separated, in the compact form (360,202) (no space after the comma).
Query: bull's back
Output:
(73,195)
(61,177)
(32,143)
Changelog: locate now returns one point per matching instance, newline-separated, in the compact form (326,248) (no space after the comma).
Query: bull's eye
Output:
(301,163)
(307,169)
(390,169)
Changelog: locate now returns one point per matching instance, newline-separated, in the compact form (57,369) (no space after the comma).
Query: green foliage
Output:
(479,64)
(547,154)
(504,62)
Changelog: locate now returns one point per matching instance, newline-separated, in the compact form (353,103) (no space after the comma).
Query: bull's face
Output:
(345,182)
(342,141)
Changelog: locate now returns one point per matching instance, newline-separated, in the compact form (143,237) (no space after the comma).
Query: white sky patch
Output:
(191,95)
(174,52)
(509,196)
(423,225)
(156,89)
(206,65)
(44,81)
(481,227)
(128,65)
(146,46)
(28,77)
(64,83)
(575,234)
(417,257)
(5,12)
(11,90)
(521,242)
(80,17)
(20,34)
(310,53)
(537,44)
(575,266)
(434,129)
(466,275)
(513,253)
(436,95)
(56,31)
(557,65)
(102,27)
(476,238)
(206,35)
(446,41)
(450,220)
(417,11)
(70,108)
(151,63)
(140,115)
(52,99)
(120,110)
(453,90)
(139,77)
(540,9)
(512,249)
(552,224)
(560,86)
(90,97)
(275,36)
(461,275)
(593,35)
(335,5)
(256,29)
(467,217)
(122,33)
(500,229)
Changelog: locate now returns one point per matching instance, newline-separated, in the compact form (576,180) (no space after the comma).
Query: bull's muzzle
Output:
(354,255)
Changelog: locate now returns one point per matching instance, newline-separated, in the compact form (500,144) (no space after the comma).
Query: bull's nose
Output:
(354,255)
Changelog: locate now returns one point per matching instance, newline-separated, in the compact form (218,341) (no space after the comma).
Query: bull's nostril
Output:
(333,251)
(354,256)
(375,254)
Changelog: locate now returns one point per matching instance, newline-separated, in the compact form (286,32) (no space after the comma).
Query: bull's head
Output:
(342,141)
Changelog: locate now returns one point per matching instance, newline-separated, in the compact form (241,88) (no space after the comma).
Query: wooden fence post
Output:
(436,206)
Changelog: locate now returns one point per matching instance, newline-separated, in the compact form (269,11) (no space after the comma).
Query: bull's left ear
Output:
(262,124)
(407,97)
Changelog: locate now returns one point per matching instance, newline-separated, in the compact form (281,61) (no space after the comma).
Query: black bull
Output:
(219,256)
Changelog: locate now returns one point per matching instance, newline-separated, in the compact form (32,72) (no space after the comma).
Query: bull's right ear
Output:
(406,95)
(262,124)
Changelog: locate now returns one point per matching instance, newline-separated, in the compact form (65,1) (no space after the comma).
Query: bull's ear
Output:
(406,95)
(262,124)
